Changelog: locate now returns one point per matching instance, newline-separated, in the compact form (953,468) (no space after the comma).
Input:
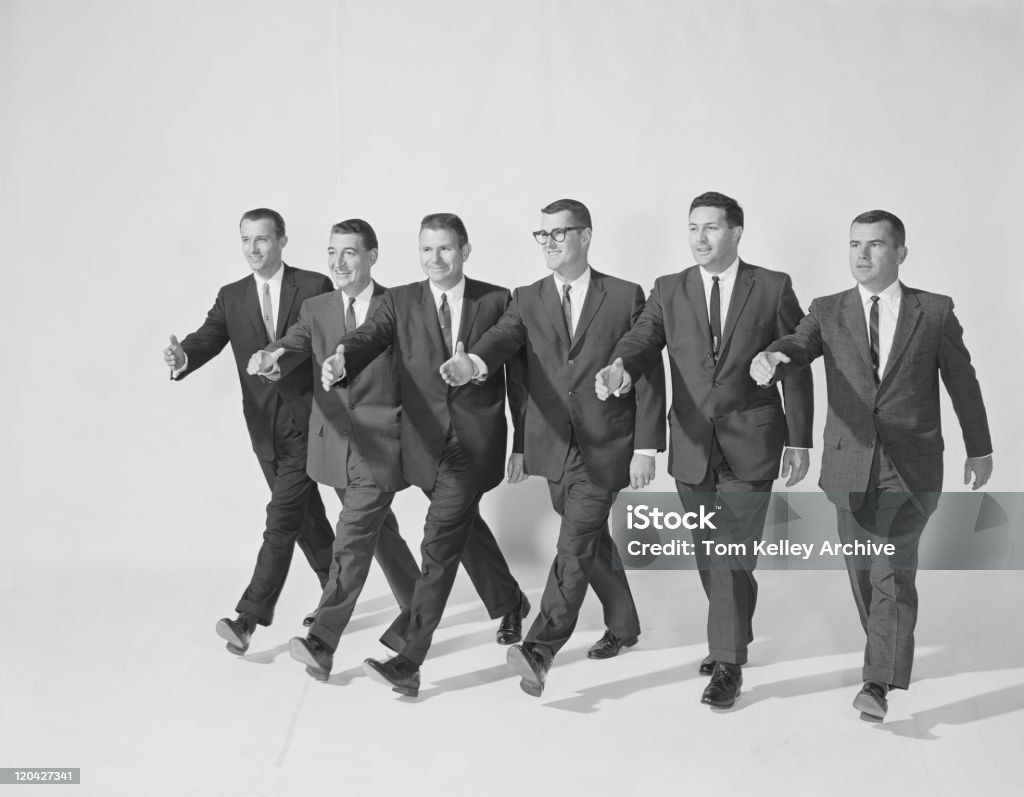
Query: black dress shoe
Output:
(725,685)
(401,674)
(510,630)
(307,621)
(707,666)
(236,632)
(314,654)
(609,646)
(529,665)
(870,701)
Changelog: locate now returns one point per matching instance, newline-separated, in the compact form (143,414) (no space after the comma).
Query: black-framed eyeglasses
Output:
(557,235)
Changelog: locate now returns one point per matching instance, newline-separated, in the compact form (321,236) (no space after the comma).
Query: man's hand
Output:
(516,469)
(762,367)
(459,369)
(641,468)
(981,467)
(795,463)
(174,355)
(333,368)
(263,362)
(609,379)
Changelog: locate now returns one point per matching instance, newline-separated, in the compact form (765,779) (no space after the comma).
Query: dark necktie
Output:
(350,315)
(716,317)
(873,329)
(268,313)
(444,318)
(567,309)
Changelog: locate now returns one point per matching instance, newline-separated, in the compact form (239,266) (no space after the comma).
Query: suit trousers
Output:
(728,577)
(585,554)
(884,586)
(367,529)
(452,521)
(295,515)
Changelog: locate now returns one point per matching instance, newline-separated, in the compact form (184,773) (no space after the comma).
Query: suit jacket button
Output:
(875,410)
(710,355)
(572,394)
(871,444)
(716,384)
(571,362)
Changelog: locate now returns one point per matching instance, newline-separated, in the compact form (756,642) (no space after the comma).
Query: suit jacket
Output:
(366,409)
(719,398)
(903,410)
(560,380)
(237,318)
(407,320)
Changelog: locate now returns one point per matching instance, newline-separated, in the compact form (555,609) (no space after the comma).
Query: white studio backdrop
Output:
(134,134)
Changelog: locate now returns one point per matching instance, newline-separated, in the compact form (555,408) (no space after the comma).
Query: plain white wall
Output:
(135,133)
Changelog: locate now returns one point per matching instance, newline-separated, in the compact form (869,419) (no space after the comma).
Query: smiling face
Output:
(262,246)
(441,257)
(567,258)
(874,256)
(713,242)
(350,262)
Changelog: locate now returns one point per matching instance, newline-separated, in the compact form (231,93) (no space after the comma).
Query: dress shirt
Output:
(888,315)
(454,296)
(726,281)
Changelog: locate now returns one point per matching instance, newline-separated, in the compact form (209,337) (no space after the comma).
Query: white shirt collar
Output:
(274,282)
(890,295)
(726,276)
(454,294)
(363,297)
(579,285)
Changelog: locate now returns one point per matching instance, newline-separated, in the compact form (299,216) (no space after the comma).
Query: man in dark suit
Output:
(353,443)
(452,440)
(249,314)
(886,345)
(726,435)
(566,325)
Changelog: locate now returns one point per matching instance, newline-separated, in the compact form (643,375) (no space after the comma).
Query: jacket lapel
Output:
(470,306)
(693,290)
(251,302)
(553,303)
(284,304)
(910,315)
(740,293)
(595,296)
(853,317)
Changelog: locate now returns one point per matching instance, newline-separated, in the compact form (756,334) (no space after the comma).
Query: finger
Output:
(967,472)
(174,341)
(459,348)
(782,358)
(340,349)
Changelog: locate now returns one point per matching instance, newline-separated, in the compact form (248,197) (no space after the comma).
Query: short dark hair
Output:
(580,214)
(713,199)
(446,221)
(357,227)
(258,214)
(899,232)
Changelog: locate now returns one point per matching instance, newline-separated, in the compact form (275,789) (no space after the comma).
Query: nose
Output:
(551,242)
(702,235)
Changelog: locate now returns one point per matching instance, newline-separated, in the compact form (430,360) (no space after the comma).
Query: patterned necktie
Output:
(444,318)
(350,315)
(716,317)
(567,309)
(873,329)
(268,314)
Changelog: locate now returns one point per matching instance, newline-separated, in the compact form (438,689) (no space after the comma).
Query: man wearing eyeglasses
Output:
(566,325)
(727,435)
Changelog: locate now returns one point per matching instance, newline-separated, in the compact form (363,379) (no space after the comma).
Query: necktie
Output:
(567,309)
(715,312)
(268,314)
(444,317)
(350,315)
(873,328)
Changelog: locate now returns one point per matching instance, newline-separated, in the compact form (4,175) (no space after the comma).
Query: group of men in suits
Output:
(412,391)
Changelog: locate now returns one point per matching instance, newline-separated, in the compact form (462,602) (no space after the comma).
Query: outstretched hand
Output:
(762,367)
(609,379)
(333,368)
(174,355)
(262,362)
(460,369)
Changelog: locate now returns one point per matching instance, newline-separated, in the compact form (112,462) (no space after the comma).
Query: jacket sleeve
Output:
(206,342)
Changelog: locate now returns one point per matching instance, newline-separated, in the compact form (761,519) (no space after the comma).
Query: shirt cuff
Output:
(481,369)
(647,452)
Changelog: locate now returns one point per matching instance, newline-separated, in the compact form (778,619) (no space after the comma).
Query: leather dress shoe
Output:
(510,630)
(307,621)
(237,633)
(725,685)
(314,654)
(529,665)
(707,666)
(870,701)
(401,674)
(609,646)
